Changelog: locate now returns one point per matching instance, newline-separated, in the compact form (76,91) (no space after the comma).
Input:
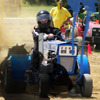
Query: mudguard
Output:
(84,68)
(19,65)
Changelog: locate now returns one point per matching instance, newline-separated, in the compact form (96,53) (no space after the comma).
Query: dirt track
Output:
(19,32)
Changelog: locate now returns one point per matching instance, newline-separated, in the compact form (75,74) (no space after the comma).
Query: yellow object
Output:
(1,8)
(92,14)
(67,26)
(86,12)
(59,5)
(58,19)
(59,12)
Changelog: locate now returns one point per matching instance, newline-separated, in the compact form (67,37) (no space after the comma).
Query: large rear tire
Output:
(9,85)
(7,77)
(86,88)
(43,85)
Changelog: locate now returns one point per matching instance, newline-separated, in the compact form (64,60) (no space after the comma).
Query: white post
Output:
(40,41)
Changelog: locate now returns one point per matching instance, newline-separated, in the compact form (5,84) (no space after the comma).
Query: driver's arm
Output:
(58,33)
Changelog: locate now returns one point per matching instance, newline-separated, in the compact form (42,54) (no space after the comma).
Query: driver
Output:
(43,21)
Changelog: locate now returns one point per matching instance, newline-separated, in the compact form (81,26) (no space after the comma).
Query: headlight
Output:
(94,30)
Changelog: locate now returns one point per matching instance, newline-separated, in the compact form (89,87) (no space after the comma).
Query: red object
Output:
(89,49)
(63,30)
(97,21)
(80,30)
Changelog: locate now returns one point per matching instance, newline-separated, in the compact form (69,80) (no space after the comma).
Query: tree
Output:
(39,2)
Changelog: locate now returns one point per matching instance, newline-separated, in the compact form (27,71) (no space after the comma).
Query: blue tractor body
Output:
(19,65)
(63,52)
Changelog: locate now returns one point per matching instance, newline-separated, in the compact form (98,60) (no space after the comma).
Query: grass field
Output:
(25,11)
(32,10)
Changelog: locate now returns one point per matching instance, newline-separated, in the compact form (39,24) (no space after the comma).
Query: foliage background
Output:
(51,3)
(43,2)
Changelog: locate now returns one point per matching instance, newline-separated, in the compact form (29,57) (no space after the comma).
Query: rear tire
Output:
(7,77)
(43,85)
(9,85)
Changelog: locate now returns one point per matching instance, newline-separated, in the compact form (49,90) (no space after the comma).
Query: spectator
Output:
(91,16)
(60,15)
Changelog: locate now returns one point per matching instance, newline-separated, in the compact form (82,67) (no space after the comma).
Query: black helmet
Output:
(43,14)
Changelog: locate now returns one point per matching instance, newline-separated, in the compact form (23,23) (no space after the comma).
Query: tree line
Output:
(39,2)
(44,2)
(53,3)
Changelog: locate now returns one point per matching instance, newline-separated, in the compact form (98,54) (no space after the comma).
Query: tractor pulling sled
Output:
(60,65)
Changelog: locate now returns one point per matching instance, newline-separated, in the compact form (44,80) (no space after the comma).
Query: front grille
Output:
(67,63)
(96,32)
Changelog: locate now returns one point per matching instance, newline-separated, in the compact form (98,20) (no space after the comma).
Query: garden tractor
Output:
(60,65)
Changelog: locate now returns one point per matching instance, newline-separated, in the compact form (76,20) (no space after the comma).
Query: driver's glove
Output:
(50,37)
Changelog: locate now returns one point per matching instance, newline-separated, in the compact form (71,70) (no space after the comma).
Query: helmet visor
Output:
(43,16)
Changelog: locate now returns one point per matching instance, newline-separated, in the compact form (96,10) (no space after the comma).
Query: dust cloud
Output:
(15,31)
(2,42)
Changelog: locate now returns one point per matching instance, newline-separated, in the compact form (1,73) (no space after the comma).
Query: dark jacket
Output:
(52,30)
(36,60)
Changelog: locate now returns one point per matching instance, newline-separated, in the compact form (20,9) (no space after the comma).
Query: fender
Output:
(84,69)
(19,65)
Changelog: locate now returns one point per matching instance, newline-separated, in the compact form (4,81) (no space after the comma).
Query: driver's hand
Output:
(50,36)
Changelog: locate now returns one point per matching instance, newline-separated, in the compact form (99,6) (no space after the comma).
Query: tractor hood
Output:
(52,45)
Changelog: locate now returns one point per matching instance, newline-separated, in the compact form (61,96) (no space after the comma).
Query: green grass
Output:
(31,11)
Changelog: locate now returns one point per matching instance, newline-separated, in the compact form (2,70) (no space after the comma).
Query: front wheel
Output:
(43,85)
(86,87)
